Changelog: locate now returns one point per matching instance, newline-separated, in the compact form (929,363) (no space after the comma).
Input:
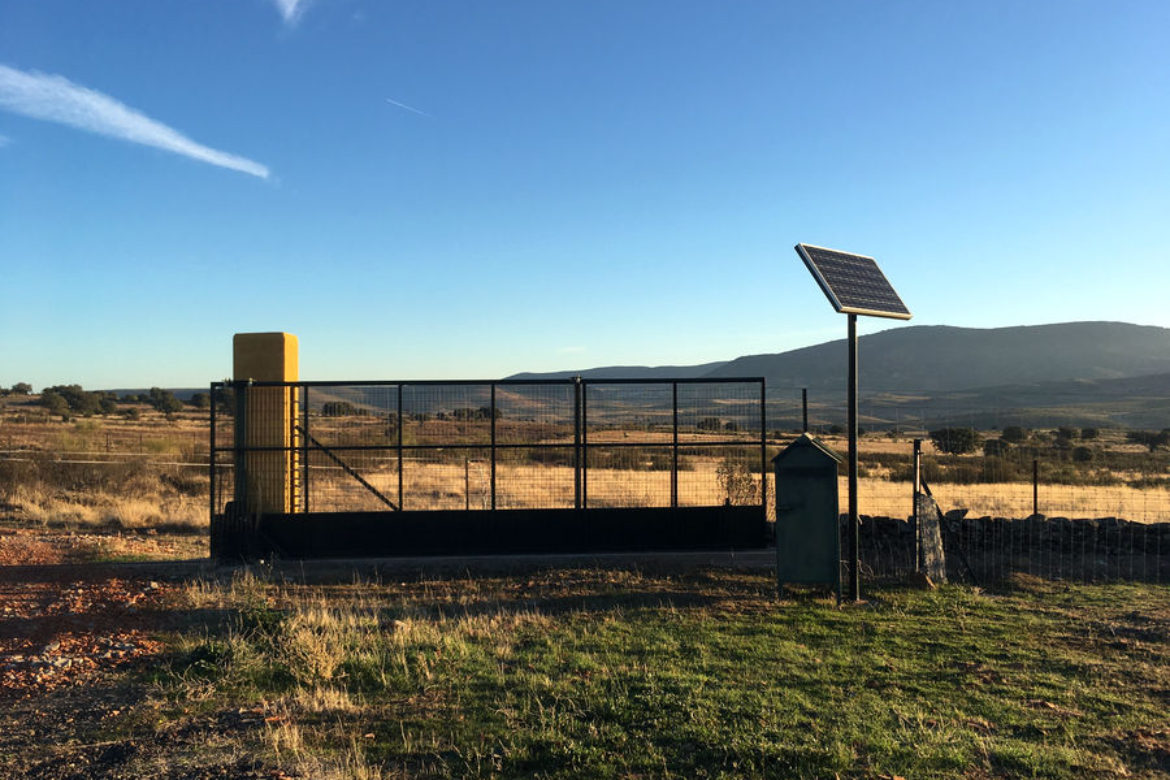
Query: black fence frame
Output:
(704,521)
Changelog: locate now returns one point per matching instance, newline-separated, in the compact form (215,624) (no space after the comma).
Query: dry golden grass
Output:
(442,486)
(44,507)
(456,485)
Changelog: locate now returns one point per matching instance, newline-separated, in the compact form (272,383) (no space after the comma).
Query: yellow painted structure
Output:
(270,419)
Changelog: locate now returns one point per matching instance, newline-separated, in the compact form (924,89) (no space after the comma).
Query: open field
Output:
(51,471)
(572,673)
(114,671)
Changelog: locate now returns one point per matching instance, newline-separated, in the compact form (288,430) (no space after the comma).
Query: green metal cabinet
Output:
(808,539)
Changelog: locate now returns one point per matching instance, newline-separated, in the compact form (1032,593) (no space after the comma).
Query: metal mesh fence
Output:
(490,445)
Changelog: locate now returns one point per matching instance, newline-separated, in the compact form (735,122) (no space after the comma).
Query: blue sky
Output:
(471,189)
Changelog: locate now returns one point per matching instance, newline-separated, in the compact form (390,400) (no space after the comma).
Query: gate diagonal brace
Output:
(348,469)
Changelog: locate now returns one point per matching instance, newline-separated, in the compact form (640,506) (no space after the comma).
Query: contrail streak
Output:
(56,99)
(408,108)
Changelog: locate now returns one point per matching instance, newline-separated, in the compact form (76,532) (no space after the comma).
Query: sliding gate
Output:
(326,469)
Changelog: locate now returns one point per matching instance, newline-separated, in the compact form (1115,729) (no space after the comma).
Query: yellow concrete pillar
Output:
(270,417)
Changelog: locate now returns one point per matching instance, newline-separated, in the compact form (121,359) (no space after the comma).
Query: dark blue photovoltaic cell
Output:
(853,282)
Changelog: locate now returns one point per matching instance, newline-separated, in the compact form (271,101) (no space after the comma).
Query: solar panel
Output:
(853,283)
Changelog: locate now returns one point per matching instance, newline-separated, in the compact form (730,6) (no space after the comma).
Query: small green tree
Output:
(164,400)
(21,388)
(1150,439)
(1089,433)
(995,448)
(200,401)
(955,441)
(54,402)
(709,424)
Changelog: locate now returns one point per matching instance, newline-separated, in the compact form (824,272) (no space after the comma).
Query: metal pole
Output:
(764,446)
(493,446)
(578,453)
(917,471)
(467,484)
(305,447)
(584,445)
(804,409)
(210,457)
(401,425)
(854,518)
(674,450)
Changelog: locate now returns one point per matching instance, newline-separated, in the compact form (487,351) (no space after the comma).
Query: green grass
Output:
(585,673)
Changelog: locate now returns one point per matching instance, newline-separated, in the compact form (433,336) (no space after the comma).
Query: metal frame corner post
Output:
(764,446)
(401,425)
(854,518)
(578,454)
(493,445)
(212,484)
(804,409)
(674,446)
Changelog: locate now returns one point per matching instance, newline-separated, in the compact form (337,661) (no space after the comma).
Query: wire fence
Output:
(1083,504)
(489,445)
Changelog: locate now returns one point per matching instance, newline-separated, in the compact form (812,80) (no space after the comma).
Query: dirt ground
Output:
(70,630)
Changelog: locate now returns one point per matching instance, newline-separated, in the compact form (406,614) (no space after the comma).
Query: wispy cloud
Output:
(56,99)
(291,10)
(406,107)
(5,140)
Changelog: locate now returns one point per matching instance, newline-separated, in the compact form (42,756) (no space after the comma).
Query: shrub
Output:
(339,409)
(709,424)
(1150,439)
(164,400)
(956,441)
(1082,454)
(996,448)
(735,482)
(1089,433)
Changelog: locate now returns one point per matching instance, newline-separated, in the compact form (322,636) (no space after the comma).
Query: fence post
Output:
(764,446)
(493,488)
(917,478)
(212,485)
(674,448)
(584,445)
(401,425)
(578,452)
(305,448)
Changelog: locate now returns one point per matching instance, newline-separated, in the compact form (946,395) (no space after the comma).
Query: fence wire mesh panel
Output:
(638,475)
(720,475)
(441,446)
(1063,502)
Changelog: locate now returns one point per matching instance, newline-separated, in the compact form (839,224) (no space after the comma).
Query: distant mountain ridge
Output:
(631,372)
(942,358)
